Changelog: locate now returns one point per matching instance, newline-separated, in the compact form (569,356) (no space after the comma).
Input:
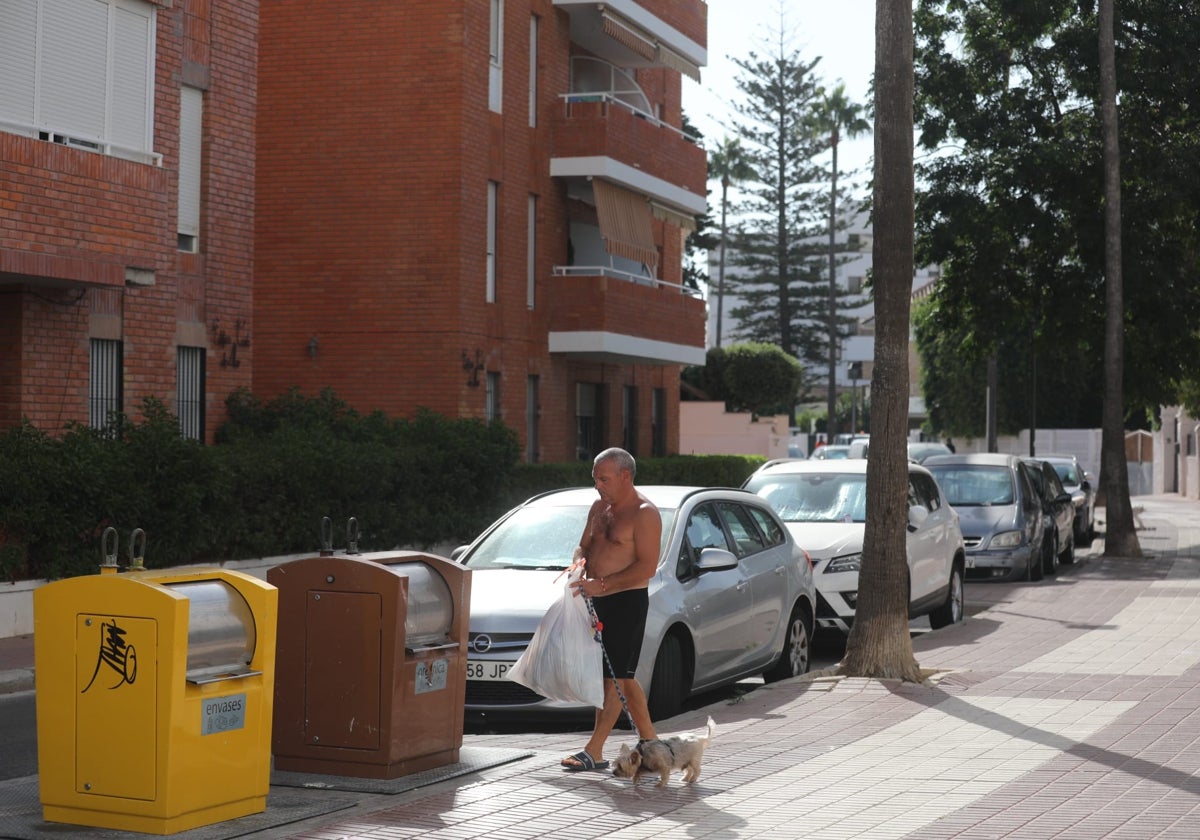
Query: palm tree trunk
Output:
(721,264)
(831,392)
(1120,538)
(879,644)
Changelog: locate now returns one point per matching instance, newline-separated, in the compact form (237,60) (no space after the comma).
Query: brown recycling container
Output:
(370,663)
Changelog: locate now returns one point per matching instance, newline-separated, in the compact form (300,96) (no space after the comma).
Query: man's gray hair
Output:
(620,457)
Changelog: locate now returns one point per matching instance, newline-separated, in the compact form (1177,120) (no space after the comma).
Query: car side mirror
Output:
(917,514)
(457,553)
(1085,486)
(715,560)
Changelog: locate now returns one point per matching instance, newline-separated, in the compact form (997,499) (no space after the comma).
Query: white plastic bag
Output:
(564,661)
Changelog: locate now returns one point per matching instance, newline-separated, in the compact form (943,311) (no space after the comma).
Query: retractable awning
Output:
(625,222)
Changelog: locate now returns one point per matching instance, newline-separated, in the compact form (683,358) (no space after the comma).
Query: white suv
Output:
(824,505)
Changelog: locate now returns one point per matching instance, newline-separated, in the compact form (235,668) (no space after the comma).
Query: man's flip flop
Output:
(582,761)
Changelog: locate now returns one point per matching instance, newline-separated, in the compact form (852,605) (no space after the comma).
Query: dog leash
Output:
(598,627)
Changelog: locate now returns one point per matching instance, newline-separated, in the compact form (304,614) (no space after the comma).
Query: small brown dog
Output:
(662,755)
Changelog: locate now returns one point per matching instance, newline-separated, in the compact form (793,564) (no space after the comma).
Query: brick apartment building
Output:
(478,207)
(126,208)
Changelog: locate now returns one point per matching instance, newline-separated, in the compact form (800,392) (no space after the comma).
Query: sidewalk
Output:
(1069,708)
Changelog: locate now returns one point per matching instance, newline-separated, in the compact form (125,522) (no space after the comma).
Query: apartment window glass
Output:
(191,117)
(658,423)
(589,420)
(496,57)
(80,73)
(532,409)
(493,396)
(104,383)
(629,419)
(189,392)
(531,252)
(492,196)
(534,21)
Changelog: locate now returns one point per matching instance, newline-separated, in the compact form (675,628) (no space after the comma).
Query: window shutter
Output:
(191,121)
(132,71)
(18,61)
(73,67)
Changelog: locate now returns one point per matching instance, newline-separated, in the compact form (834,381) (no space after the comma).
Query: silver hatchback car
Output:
(732,597)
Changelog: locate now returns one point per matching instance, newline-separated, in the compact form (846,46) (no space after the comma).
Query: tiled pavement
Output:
(1069,708)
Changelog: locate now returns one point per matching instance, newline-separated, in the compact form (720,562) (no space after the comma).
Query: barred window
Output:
(104,384)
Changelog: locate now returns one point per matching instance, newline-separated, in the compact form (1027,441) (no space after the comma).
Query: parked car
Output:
(732,597)
(920,450)
(1078,482)
(831,452)
(999,510)
(824,505)
(1058,513)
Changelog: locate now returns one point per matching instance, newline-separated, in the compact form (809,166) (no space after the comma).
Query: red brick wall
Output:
(373,166)
(81,219)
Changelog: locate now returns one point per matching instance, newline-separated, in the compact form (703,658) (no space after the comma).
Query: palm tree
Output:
(838,116)
(730,163)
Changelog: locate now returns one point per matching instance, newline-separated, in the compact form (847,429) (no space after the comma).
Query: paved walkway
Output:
(1069,708)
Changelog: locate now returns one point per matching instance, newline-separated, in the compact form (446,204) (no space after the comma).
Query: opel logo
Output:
(482,643)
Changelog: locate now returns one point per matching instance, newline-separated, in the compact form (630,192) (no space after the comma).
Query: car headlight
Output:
(846,563)
(1007,539)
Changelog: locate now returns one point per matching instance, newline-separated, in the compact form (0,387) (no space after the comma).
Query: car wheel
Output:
(951,612)
(666,685)
(1067,557)
(797,649)
(1050,556)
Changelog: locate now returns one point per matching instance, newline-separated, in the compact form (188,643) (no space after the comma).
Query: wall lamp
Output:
(472,367)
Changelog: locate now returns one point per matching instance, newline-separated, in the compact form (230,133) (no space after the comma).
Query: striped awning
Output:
(625,222)
(627,34)
(674,217)
(672,59)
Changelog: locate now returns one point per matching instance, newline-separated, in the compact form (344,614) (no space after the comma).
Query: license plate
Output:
(487,670)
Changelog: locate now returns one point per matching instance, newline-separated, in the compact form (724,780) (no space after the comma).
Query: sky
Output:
(840,32)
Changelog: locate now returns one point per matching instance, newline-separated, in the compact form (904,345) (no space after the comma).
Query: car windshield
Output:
(827,453)
(974,485)
(815,497)
(1067,473)
(539,537)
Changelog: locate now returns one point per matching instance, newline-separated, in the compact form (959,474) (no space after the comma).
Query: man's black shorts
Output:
(623,617)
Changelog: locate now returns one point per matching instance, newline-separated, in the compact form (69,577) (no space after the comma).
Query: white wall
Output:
(706,428)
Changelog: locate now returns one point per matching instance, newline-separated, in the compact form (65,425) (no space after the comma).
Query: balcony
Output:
(597,135)
(604,315)
(650,33)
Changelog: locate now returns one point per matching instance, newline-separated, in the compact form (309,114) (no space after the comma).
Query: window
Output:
(746,538)
(629,419)
(532,410)
(658,423)
(589,420)
(534,22)
(492,196)
(80,73)
(771,529)
(191,121)
(531,252)
(493,396)
(496,57)
(189,389)
(104,384)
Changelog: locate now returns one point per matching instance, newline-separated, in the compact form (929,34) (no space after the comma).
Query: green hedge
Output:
(276,469)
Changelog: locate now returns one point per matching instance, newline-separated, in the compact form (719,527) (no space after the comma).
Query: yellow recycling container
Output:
(154,698)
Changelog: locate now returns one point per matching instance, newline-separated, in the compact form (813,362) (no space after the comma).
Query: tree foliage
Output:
(778,251)
(755,377)
(1011,203)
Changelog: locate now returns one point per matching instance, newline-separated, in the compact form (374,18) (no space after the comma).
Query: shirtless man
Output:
(619,550)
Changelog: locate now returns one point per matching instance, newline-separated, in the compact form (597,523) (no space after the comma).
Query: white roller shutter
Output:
(18,62)
(191,121)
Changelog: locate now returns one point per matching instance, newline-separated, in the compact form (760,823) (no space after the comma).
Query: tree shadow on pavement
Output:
(934,697)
